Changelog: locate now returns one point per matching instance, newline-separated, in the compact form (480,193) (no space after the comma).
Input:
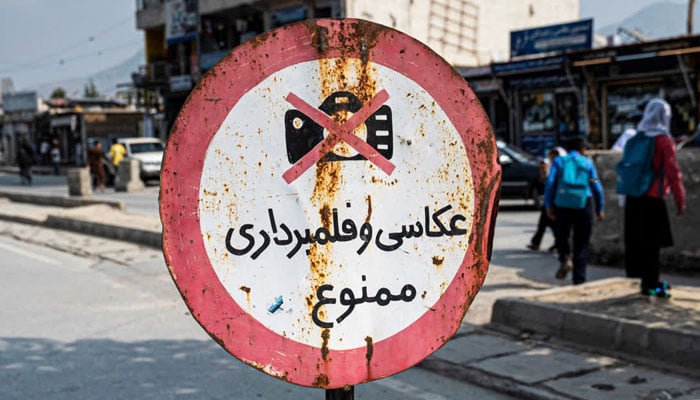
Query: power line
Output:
(91,38)
(63,61)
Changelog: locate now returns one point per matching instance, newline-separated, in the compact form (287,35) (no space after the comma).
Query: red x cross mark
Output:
(338,132)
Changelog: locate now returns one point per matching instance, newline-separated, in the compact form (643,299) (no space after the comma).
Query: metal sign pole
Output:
(346,393)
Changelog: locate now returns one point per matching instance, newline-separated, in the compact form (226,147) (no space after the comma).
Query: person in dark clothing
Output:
(97,169)
(578,220)
(25,161)
(544,221)
(647,227)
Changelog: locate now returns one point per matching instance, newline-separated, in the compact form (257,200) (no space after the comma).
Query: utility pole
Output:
(691,7)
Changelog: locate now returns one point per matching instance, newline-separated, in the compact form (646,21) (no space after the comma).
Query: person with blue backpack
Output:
(647,172)
(570,195)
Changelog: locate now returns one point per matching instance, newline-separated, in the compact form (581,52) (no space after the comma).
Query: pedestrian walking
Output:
(544,221)
(25,161)
(571,193)
(44,148)
(645,184)
(95,160)
(56,159)
(117,152)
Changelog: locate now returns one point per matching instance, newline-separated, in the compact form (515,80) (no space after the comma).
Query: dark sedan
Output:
(521,172)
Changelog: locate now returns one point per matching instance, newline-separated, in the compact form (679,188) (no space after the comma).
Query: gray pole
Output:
(691,7)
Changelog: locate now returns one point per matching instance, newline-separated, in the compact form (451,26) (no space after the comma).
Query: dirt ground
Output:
(621,299)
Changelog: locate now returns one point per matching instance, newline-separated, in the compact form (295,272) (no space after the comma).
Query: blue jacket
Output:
(594,188)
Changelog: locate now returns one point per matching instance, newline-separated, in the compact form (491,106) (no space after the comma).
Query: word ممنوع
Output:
(347,298)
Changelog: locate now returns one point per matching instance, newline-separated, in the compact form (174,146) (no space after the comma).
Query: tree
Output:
(58,93)
(90,91)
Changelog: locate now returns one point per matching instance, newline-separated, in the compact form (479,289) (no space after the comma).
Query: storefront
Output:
(546,107)
(493,98)
(621,80)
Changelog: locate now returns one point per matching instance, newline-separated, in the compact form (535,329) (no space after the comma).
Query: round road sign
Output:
(327,200)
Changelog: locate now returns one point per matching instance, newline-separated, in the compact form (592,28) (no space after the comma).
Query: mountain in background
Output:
(657,21)
(106,81)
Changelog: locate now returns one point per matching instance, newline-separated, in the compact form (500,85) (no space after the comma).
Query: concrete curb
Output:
(21,220)
(123,233)
(673,346)
(58,201)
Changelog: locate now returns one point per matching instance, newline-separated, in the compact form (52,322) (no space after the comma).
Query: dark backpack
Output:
(635,172)
(572,183)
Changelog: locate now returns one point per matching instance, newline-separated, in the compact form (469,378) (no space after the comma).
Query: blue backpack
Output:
(572,189)
(635,172)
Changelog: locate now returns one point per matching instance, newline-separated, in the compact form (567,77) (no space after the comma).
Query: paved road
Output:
(514,270)
(470,357)
(144,202)
(102,326)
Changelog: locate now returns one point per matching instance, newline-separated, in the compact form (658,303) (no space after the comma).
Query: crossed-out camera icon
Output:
(312,134)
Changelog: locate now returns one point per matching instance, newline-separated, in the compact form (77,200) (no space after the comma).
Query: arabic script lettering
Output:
(256,241)
(347,298)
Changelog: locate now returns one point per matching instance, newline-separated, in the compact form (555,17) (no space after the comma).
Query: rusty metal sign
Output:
(327,202)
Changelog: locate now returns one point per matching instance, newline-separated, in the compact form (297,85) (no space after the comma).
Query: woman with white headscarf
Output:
(647,227)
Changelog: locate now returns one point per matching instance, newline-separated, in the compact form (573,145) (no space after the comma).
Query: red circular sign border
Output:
(213,307)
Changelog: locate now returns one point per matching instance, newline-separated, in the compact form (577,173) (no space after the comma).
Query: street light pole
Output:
(691,7)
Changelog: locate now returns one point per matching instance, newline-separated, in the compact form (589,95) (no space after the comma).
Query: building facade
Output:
(539,103)
(186,38)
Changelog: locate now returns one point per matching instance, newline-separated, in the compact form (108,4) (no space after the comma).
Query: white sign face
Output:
(328,197)
(342,245)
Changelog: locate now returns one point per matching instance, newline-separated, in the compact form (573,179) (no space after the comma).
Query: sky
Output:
(50,40)
(606,12)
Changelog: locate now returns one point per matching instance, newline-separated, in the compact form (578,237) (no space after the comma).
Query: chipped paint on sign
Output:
(338,179)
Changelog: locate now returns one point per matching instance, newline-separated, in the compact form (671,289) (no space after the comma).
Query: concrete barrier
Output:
(607,241)
(79,182)
(128,176)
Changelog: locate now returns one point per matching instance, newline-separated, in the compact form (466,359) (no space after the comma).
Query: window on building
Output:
(537,112)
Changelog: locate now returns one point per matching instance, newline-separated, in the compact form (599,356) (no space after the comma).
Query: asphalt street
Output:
(85,327)
(144,202)
(133,301)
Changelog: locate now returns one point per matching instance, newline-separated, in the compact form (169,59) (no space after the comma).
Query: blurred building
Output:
(18,120)
(186,38)
(75,124)
(540,99)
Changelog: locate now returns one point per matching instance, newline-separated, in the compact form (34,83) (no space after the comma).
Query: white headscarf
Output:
(656,119)
(622,140)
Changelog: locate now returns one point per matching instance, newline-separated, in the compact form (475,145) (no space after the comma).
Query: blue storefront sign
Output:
(538,145)
(527,66)
(553,38)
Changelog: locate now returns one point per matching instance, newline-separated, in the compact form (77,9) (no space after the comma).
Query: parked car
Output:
(149,153)
(521,174)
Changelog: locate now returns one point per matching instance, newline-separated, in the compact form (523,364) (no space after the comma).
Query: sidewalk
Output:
(527,350)
(538,367)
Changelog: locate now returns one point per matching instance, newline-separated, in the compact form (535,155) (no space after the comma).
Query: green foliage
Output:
(58,93)
(90,91)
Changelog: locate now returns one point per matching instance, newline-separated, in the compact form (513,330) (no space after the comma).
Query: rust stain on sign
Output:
(370,349)
(337,74)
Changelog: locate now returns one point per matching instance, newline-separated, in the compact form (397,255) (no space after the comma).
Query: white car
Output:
(149,153)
